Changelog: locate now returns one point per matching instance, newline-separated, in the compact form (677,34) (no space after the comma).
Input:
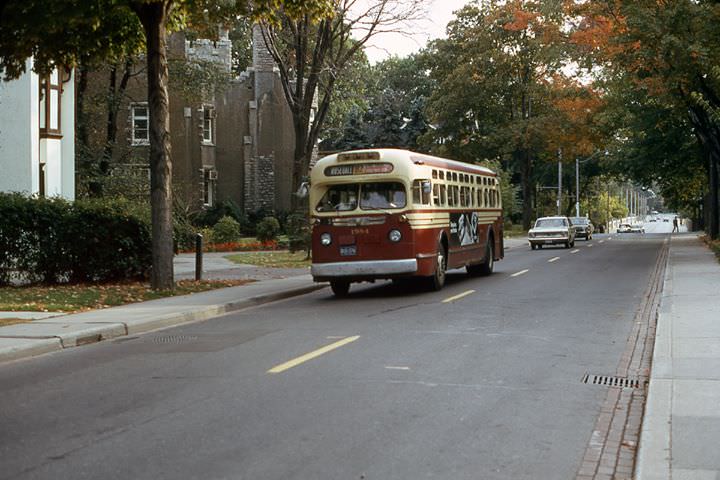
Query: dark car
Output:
(583,227)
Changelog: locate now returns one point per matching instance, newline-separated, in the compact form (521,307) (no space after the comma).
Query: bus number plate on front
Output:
(348,250)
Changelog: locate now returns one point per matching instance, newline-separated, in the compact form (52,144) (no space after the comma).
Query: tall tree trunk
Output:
(301,158)
(82,146)
(714,222)
(82,130)
(154,17)
(527,189)
(116,92)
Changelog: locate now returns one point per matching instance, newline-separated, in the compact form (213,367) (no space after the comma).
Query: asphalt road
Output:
(480,380)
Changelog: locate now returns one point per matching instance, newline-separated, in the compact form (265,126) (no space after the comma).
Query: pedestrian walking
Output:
(675,225)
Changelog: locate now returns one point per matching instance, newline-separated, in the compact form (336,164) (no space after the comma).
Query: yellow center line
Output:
(519,273)
(554,259)
(459,296)
(589,245)
(575,251)
(601,241)
(309,356)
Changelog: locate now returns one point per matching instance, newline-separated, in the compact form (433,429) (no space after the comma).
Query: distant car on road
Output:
(628,228)
(552,231)
(583,227)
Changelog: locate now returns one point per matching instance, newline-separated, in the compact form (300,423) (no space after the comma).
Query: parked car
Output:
(552,231)
(628,228)
(583,227)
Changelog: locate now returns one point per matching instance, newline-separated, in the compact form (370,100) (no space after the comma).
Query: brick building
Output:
(234,143)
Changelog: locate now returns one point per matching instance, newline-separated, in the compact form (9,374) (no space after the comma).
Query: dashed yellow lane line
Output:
(314,354)
(389,367)
(601,241)
(575,251)
(589,245)
(521,272)
(457,297)
(554,259)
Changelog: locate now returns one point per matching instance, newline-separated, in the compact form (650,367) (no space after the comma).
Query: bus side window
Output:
(443,195)
(442,174)
(420,196)
(487,198)
(436,194)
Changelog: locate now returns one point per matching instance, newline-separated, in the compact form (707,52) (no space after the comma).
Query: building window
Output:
(50,98)
(208,186)
(140,120)
(208,124)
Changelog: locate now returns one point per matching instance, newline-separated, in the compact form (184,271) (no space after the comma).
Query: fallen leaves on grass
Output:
(76,298)
(4,322)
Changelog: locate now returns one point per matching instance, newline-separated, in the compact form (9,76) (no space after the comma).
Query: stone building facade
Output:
(235,143)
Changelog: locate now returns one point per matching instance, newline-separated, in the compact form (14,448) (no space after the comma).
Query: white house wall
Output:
(20,144)
(67,152)
(19,133)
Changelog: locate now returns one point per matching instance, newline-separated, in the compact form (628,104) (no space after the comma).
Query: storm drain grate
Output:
(621,382)
(174,339)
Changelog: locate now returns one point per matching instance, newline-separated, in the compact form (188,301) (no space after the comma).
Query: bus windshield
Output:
(373,196)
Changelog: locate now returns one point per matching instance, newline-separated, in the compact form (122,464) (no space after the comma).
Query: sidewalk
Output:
(681,428)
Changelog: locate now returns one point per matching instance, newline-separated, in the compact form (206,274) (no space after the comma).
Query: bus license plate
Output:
(348,251)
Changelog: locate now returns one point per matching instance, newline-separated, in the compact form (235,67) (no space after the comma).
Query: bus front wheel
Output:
(340,288)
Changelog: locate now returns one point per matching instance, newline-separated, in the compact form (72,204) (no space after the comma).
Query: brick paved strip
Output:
(611,451)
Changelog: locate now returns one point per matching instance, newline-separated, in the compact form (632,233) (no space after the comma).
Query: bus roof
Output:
(402,156)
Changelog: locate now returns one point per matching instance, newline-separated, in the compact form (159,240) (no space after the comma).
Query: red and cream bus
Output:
(391,214)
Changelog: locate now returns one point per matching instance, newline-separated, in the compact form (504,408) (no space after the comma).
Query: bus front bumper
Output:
(372,268)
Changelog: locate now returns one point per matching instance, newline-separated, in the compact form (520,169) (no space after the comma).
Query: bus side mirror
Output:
(302,191)
(426,188)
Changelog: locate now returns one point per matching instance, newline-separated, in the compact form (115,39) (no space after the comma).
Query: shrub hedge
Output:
(55,241)
(268,229)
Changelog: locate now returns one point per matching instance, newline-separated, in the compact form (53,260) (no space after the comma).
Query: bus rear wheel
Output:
(340,288)
(437,280)
(488,265)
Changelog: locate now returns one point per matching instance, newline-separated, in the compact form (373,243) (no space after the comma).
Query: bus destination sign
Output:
(359,169)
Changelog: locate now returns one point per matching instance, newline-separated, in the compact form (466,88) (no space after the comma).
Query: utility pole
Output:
(577,187)
(559,199)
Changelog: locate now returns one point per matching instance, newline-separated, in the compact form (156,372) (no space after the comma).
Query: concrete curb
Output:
(210,311)
(16,344)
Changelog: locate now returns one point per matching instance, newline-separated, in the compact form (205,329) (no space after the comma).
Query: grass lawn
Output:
(76,298)
(280,259)
(515,231)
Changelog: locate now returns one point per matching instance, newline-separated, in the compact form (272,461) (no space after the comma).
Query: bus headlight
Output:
(325,239)
(394,235)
